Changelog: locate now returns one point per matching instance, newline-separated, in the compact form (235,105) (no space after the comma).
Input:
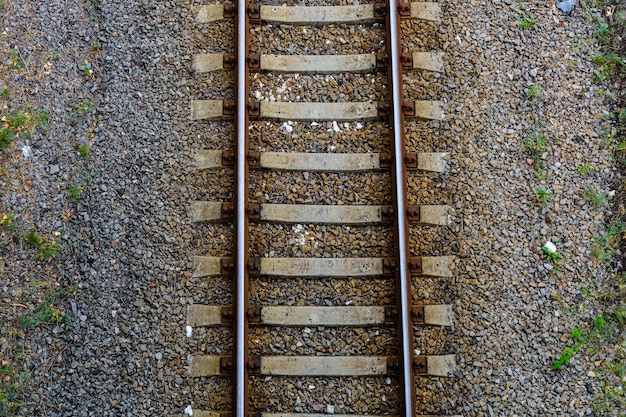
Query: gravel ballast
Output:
(128,242)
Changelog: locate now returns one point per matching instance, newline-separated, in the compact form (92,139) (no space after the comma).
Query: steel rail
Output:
(240,322)
(403,276)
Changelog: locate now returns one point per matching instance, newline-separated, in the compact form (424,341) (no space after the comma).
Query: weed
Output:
(555,296)
(536,142)
(7,220)
(15,60)
(604,245)
(552,256)
(585,169)
(607,93)
(12,383)
(95,49)
(595,197)
(84,151)
(41,119)
(542,197)
(46,312)
(540,172)
(49,250)
(566,356)
(91,2)
(6,136)
(87,69)
(32,238)
(604,32)
(577,334)
(533,92)
(525,19)
(54,54)
(18,120)
(620,315)
(5,93)
(74,192)
(85,107)
(599,323)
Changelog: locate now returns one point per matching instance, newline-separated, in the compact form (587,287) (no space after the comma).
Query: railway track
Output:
(251,215)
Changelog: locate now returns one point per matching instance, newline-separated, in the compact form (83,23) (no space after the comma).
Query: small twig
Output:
(23,60)
(19,305)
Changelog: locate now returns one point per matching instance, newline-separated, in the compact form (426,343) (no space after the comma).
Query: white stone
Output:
(550,246)
(27,151)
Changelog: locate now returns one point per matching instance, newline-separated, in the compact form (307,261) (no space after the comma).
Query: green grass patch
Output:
(45,313)
(604,329)
(525,19)
(12,382)
(21,123)
(536,142)
(586,169)
(542,197)
(533,92)
(605,336)
(84,108)
(6,136)
(597,199)
(84,151)
(15,61)
(607,64)
(553,257)
(47,248)
(19,120)
(577,335)
(87,69)
(15,387)
(74,192)
(604,245)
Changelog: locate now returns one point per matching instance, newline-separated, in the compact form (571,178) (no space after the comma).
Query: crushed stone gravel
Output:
(130,243)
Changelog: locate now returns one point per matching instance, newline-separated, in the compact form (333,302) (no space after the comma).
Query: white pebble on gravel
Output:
(27,151)
(550,246)
(189,330)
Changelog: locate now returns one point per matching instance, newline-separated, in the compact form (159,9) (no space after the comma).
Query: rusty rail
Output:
(405,360)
